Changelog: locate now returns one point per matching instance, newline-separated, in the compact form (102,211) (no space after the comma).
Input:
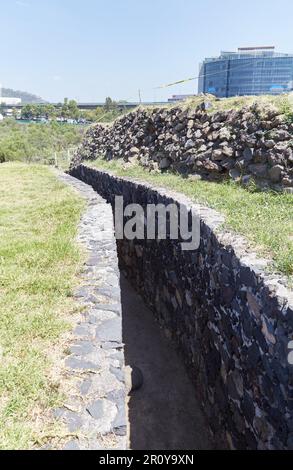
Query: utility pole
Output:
(139,96)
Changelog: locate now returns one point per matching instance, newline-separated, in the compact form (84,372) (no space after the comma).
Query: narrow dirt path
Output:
(164,414)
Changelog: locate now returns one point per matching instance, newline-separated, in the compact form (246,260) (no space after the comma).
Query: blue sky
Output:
(90,49)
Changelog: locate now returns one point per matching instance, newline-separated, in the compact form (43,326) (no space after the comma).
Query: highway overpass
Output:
(92,105)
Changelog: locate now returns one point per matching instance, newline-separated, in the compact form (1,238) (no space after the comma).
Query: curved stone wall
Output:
(228,317)
(94,409)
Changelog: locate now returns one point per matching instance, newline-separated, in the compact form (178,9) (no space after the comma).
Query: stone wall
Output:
(230,320)
(253,143)
(93,382)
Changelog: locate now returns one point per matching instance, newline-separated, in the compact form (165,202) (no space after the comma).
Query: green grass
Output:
(38,263)
(264,218)
(282,103)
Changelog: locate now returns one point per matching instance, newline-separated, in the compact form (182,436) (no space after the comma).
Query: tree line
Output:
(69,110)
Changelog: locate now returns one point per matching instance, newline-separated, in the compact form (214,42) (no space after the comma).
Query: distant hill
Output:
(25,97)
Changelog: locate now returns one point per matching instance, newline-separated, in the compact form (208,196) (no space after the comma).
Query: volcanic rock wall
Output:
(230,320)
(253,143)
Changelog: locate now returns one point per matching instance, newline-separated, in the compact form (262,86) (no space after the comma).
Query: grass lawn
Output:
(38,263)
(264,218)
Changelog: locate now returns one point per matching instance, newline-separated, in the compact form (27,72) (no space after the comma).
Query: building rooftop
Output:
(243,52)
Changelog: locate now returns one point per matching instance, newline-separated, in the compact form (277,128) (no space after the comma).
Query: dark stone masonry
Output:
(230,319)
(93,372)
(252,144)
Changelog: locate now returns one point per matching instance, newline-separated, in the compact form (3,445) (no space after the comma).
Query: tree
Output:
(37,110)
(26,111)
(74,112)
(110,105)
(49,111)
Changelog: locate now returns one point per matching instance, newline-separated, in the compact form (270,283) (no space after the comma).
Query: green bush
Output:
(36,141)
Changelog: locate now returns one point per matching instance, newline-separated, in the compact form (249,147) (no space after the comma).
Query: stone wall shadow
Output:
(164,413)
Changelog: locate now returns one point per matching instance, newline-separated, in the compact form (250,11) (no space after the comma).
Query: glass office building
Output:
(250,71)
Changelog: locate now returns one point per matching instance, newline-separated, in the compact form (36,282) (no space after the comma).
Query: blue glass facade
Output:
(247,72)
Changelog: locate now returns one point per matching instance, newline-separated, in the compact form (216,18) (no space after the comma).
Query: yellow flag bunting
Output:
(177,83)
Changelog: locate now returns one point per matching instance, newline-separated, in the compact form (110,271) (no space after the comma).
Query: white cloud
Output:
(57,78)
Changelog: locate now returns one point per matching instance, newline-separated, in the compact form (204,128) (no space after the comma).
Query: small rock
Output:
(253,304)
(228,151)
(96,409)
(80,364)
(179,127)
(206,105)
(197,134)
(110,330)
(287,181)
(228,163)
(275,173)
(217,155)
(246,179)
(164,163)
(189,144)
(234,174)
(282,135)
(188,298)
(247,154)
(72,445)
(133,378)
(269,144)
(258,169)
(269,337)
(133,151)
(85,386)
